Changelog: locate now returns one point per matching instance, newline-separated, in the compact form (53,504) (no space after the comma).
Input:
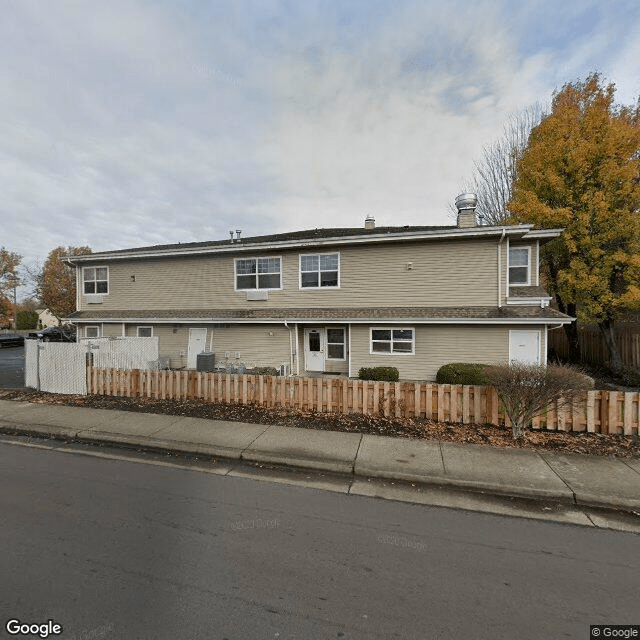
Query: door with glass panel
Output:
(314,349)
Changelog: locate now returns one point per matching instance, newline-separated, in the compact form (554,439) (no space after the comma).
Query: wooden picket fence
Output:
(593,349)
(601,412)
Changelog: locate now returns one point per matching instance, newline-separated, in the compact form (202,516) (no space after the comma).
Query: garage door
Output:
(524,346)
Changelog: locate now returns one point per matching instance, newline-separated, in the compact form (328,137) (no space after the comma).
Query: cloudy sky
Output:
(129,123)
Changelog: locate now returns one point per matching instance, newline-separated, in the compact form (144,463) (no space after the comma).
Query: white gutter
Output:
(500,268)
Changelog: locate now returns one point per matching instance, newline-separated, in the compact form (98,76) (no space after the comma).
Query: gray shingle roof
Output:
(528,292)
(375,314)
(307,234)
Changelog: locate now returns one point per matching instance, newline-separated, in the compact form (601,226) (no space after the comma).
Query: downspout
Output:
(290,349)
(504,231)
(349,347)
(297,351)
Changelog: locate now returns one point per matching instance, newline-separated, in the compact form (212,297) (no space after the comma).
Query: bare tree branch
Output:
(495,172)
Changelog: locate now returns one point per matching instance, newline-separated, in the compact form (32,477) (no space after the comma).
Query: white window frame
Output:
(344,343)
(392,352)
(144,327)
(319,286)
(99,293)
(92,326)
(256,258)
(519,266)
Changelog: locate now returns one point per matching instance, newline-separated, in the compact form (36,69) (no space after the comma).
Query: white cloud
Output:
(129,123)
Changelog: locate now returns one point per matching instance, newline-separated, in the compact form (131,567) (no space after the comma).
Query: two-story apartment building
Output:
(330,300)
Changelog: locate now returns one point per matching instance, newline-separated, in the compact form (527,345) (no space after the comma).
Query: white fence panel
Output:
(56,367)
(31,363)
(123,353)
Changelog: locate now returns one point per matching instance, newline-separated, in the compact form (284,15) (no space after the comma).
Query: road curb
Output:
(152,445)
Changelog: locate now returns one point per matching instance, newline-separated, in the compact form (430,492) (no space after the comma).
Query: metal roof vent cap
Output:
(369,222)
(466,205)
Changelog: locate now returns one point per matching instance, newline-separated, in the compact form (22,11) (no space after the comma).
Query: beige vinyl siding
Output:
(264,345)
(435,345)
(504,276)
(172,341)
(256,346)
(112,330)
(443,273)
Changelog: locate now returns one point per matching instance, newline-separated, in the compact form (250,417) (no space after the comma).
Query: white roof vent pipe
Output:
(466,205)
(369,222)
(238,232)
(231,236)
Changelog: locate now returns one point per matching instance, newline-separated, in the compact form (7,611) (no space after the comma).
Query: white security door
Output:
(524,346)
(197,344)
(314,349)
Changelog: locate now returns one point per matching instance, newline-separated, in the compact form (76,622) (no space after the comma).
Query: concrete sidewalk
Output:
(590,481)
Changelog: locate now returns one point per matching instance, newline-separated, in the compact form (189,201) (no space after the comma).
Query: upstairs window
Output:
(321,270)
(518,265)
(258,273)
(95,279)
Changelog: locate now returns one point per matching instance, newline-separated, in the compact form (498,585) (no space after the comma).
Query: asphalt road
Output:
(11,367)
(117,549)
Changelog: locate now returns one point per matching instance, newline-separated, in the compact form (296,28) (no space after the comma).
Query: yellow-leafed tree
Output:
(581,171)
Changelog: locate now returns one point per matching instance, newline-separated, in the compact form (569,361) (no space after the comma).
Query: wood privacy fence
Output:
(593,348)
(600,412)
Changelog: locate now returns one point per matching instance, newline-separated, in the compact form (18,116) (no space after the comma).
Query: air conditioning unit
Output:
(283,370)
(206,361)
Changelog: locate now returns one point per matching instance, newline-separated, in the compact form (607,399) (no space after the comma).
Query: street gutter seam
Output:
(573,493)
(444,467)
(251,443)
(628,465)
(353,466)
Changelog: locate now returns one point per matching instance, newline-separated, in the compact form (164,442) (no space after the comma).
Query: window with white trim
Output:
(320,270)
(519,265)
(335,344)
(145,332)
(95,279)
(393,340)
(92,331)
(258,273)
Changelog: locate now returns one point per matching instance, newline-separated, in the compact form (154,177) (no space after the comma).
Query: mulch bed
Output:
(483,434)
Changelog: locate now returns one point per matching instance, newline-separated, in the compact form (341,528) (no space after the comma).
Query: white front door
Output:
(315,341)
(197,344)
(524,346)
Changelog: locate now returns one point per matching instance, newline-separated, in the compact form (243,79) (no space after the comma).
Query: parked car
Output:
(55,334)
(11,340)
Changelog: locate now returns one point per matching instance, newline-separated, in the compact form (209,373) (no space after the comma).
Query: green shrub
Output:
(264,371)
(461,373)
(26,319)
(387,374)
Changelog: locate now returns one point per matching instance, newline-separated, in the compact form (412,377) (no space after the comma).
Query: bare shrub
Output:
(526,390)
